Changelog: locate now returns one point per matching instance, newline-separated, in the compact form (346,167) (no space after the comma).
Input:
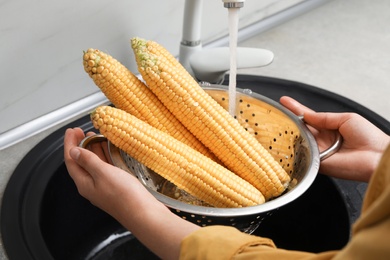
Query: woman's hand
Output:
(362,147)
(102,184)
(123,197)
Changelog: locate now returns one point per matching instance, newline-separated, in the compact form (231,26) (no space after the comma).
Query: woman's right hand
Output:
(122,196)
(362,147)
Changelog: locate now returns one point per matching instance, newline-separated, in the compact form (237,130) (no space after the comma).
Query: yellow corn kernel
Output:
(185,167)
(125,91)
(215,127)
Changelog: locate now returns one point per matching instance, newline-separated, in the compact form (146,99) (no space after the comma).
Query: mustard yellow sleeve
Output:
(222,242)
(218,242)
(371,232)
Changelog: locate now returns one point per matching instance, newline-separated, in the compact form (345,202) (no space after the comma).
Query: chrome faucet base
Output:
(212,64)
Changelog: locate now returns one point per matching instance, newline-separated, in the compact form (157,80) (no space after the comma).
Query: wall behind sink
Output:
(41,44)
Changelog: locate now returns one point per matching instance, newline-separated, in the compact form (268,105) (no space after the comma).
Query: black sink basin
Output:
(44,217)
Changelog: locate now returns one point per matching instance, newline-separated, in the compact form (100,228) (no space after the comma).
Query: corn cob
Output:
(207,120)
(125,91)
(175,161)
(271,127)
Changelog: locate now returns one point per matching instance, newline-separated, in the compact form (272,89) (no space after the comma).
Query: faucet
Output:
(212,64)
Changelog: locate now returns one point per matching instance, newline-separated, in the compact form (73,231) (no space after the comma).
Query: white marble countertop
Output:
(342,46)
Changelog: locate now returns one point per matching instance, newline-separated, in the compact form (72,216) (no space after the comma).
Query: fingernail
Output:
(75,153)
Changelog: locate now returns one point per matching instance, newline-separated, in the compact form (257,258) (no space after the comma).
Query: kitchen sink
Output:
(44,217)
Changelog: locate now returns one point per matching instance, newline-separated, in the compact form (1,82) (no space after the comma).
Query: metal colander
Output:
(284,135)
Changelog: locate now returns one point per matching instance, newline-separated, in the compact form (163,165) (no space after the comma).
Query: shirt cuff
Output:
(219,242)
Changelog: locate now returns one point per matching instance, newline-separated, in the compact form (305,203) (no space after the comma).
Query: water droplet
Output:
(204,84)
(247,91)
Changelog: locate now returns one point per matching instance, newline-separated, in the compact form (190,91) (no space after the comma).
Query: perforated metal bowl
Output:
(285,136)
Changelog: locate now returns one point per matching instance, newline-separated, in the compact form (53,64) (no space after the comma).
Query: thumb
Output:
(75,153)
(86,159)
(323,120)
(294,106)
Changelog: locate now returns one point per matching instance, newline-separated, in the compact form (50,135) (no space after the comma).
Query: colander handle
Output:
(92,139)
(333,148)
